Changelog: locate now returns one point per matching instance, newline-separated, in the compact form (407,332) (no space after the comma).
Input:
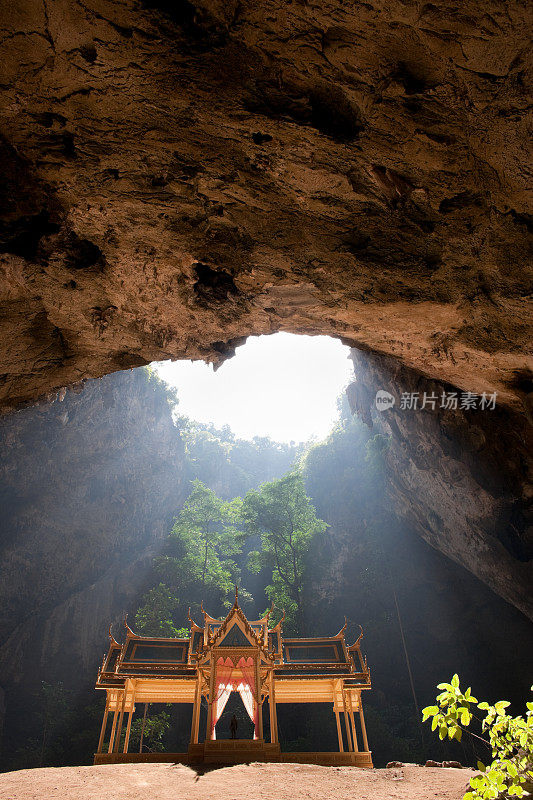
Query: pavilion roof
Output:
(160,656)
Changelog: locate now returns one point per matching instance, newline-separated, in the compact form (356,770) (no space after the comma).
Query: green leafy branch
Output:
(510,739)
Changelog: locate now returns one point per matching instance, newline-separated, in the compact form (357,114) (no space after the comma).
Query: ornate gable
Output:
(237,631)
(235,637)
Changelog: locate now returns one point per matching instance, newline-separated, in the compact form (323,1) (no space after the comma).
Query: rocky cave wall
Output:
(178,175)
(461,478)
(88,487)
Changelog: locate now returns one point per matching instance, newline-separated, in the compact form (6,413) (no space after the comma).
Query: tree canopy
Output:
(197,564)
(281,514)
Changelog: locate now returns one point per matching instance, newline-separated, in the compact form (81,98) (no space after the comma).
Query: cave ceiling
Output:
(179,176)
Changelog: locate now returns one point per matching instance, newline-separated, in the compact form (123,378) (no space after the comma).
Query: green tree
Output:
(53,710)
(147,733)
(197,564)
(156,616)
(281,514)
(206,530)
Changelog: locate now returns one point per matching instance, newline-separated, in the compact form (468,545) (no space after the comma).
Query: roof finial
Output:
(269,612)
(358,639)
(341,632)
(236,593)
(128,629)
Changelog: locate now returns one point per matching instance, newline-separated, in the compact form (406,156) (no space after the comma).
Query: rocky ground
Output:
(242,782)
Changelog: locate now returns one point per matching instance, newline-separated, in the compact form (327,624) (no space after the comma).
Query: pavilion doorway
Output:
(234,676)
(245,728)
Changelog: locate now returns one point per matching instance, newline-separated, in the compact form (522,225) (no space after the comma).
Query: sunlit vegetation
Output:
(509,740)
(199,561)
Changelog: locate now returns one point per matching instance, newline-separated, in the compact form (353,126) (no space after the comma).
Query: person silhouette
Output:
(234,724)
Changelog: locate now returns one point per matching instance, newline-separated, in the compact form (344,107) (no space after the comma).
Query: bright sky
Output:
(283,386)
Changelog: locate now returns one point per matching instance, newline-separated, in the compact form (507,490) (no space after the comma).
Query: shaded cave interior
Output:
(457,527)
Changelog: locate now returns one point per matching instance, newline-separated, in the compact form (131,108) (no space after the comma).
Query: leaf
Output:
(429,711)
(501,705)
(465,716)
(455,681)
(481,766)
(511,769)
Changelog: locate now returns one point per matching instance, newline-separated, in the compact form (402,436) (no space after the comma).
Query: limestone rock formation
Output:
(89,487)
(179,175)
(461,478)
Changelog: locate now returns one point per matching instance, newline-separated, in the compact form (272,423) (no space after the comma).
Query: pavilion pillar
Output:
(130,716)
(259,732)
(113,728)
(128,730)
(273,710)
(211,698)
(339,730)
(104,725)
(146,706)
(195,723)
(120,720)
(352,720)
(346,721)
(363,726)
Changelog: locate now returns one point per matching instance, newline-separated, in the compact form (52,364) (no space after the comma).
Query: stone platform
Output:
(237,751)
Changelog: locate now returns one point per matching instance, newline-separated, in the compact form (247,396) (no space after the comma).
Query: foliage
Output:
(153,735)
(206,533)
(375,450)
(196,566)
(160,386)
(156,616)
(53,709)
(281,513)
(229,465)
(510,740)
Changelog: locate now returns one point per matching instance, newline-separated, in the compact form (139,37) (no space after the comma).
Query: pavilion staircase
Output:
(233,751)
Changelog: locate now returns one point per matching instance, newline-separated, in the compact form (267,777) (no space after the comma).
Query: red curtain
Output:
(223,689)
(246,689)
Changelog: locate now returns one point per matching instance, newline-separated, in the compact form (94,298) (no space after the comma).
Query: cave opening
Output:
(283,386)
(198,179)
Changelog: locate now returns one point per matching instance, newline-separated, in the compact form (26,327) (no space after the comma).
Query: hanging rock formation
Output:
(179,175)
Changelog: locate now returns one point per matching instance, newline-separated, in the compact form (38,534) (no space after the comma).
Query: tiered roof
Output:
(147,656)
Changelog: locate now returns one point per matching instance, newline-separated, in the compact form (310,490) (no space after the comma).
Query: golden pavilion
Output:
(235,655)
